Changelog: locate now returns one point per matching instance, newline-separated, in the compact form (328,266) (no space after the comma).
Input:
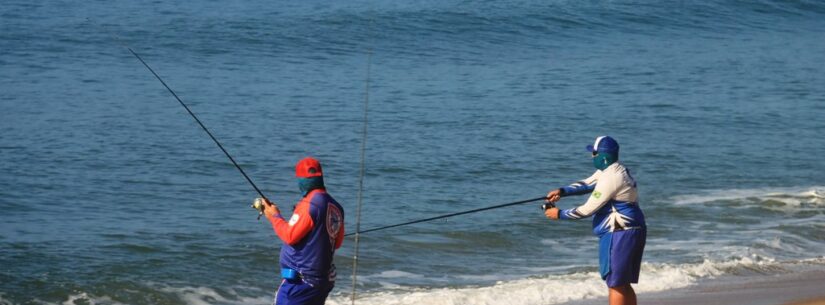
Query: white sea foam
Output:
(206,296)
(549,289)
(81,298)
(554,289)
(187,295)
(793,196)
(383,278)
(3,301)
(394,274)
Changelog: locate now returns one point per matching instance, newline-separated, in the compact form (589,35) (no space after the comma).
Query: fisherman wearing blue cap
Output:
(617,219)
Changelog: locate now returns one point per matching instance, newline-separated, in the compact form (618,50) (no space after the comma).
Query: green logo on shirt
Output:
(597,194)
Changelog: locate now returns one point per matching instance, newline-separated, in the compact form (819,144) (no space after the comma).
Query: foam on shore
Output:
(555,289)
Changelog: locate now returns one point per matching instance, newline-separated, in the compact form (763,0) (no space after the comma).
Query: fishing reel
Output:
(547,205)
(259,204)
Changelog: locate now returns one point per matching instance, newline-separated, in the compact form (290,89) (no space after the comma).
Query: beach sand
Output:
(817,301)
(802,288)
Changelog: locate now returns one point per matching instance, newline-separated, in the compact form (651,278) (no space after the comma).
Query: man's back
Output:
(312,255)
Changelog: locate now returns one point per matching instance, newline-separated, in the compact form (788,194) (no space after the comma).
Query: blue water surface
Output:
(108,187)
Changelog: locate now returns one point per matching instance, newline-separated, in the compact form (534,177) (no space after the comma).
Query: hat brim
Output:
(590,148)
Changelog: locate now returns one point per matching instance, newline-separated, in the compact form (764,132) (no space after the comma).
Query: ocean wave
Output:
(206,296)
(3,301)
(454,29)
(81,298)
(543,290)
(185,295)
(394,274)
(554,289)
(792,196)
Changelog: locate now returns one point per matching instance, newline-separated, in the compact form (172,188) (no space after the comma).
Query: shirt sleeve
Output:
(581,187)
(298,226)
(603,191)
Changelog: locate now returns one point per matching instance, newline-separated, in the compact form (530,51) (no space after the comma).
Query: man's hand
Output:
(552,213)
(553,196)
(271,209)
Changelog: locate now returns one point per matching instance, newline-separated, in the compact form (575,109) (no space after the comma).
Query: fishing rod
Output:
(544,206)
(258,205)
(363,170)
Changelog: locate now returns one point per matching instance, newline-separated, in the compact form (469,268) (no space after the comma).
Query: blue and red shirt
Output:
(313,233)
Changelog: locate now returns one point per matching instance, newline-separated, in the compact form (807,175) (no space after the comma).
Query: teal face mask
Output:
(308,184)
(603,160)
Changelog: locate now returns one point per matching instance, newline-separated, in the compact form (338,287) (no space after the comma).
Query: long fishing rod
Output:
(450,215)
(257,205)
(362,171)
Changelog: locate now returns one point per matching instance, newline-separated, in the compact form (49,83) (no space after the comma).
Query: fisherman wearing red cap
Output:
(311,236)
(618,220)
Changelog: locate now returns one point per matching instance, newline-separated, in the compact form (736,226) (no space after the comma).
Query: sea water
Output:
(111,194)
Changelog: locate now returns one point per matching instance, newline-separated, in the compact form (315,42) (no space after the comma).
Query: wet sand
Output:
(803,288)
(817,301)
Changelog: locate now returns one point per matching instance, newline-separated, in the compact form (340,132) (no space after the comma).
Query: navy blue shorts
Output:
(620,256)
(297,292)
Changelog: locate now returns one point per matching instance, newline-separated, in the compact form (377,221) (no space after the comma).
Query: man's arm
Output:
(581,187)
(298,226)
(577,188)
(601,194)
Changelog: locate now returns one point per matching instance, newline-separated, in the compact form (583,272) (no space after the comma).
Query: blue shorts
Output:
(297,292)
(620,256)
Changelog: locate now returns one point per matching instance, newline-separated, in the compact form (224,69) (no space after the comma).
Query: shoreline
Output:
(797,288)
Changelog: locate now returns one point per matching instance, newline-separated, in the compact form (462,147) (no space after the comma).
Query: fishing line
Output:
(190,113)
(498,206)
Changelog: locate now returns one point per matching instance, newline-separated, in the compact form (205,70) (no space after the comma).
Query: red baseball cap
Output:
(308,167)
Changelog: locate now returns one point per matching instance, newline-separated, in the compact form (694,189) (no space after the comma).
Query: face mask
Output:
(308,184)
(603,160)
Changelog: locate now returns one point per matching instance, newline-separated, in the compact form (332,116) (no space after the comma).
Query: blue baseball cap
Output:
(604,144)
